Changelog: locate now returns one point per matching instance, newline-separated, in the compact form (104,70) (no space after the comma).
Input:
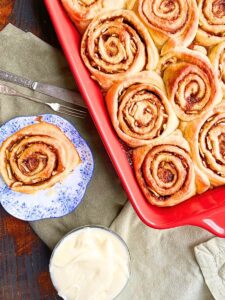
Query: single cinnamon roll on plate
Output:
(82,12)
(191,83)
(207,140)
(211,29)
(171,23)
(36,157)
(45,167)
(117,45)
(139,109)
(165,172)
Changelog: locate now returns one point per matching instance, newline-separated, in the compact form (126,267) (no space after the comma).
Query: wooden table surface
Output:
(23,257)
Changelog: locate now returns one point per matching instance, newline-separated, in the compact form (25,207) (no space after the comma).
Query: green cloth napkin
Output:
(163,262)
(211,258)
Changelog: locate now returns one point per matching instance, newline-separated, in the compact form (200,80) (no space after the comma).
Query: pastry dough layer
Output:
(217,58)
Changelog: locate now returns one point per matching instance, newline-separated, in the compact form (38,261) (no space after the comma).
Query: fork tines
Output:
(79,113)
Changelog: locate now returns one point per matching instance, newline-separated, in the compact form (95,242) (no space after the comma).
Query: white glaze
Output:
(90,264)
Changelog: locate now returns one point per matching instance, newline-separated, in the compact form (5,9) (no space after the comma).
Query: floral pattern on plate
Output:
(63,197)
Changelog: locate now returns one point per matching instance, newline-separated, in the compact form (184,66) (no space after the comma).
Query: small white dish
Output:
(90,262)
(63,197)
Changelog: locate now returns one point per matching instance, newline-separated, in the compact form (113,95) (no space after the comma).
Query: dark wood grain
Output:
(24,258)
(6,7)
(31,15)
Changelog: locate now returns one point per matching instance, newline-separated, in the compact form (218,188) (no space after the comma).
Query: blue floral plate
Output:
(64,196)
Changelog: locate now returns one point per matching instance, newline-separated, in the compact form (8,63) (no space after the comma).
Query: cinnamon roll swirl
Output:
(207,141)
(171,23)
(191,84)
(217,58)
(211,29)
(82,12)
(117,45)
(165,172)
(139,109)
(37,157)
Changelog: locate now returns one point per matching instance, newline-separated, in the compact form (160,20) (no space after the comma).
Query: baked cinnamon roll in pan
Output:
(115,46)
(166,173)
(191,83)
(207,141)
(139,109)
(211,28)
(82,12)
(171,23)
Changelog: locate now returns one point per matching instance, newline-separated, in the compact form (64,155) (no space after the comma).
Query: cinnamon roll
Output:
(117,45)
(37,157)
(211,29)
(191,84)
(171,23)
(139,109)
(217,58)
(165,172)
(207,140)
(82,12)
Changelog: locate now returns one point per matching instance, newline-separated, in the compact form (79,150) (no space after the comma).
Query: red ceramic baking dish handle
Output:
(214,222)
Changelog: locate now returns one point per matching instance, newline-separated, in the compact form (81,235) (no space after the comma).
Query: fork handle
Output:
(8,90)
(30,98)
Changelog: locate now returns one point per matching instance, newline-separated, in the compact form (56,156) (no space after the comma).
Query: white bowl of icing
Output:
(90,263)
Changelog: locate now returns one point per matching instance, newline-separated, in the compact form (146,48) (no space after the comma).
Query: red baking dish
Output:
(206,210)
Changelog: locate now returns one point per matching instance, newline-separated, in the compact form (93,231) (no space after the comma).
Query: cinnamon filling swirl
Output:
(211,22)
(165,171)
(139,109)
(171,23)
(191,83)
(166,15)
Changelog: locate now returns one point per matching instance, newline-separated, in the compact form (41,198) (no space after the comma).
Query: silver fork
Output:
(66,110)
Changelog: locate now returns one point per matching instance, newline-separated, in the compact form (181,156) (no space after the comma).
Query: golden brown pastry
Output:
(196,47)
(131,4)
(139,109)
(166,173)
(37,157)
(217,58)
(207,140)
(211,29)
(82,12)
(191,83)
(171,23)
(115,46)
